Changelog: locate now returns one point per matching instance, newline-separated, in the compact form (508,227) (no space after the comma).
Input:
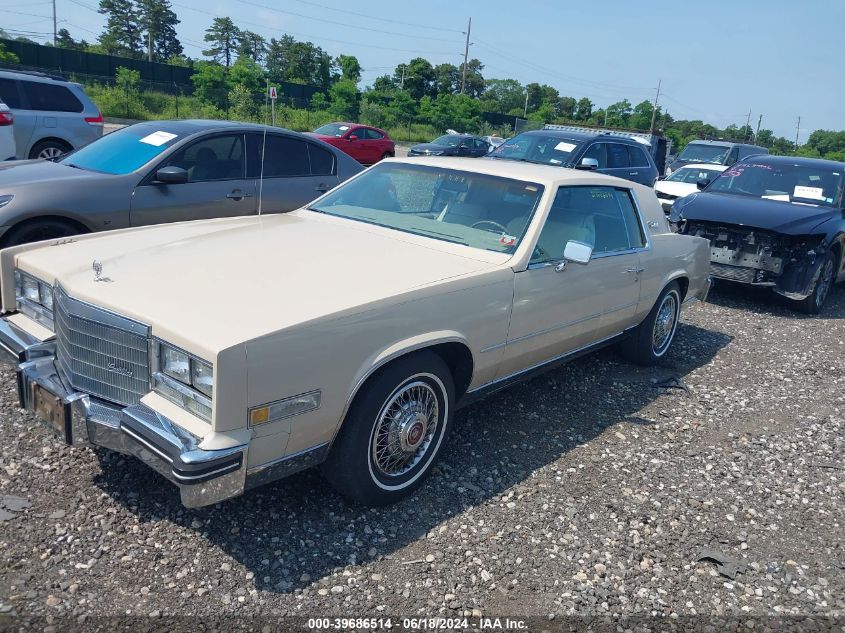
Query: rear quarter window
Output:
(9,93)
(50,97)
(638,157)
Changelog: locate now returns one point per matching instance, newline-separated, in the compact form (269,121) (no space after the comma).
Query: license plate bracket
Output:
(52,411)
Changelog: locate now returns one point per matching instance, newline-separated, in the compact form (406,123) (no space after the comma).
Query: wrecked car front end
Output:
(788,264)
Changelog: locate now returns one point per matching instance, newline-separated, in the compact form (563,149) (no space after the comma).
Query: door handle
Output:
(322,187)
(237,194)
(636,271)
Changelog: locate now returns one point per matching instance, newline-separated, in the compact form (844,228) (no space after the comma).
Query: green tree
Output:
(534,96)
(8,56)
(503,95)
(223,36)
(416,78)
(384,84)
(566,107)
(245,72)
(159,21)
(343,96)
(299,62)
(65,40)
(826,142)
(447,79)
(211,83)
(350,68)
(252,46)
(122,35)
(475,85)
(583,109)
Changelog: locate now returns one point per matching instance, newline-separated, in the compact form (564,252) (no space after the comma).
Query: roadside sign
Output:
(273,92)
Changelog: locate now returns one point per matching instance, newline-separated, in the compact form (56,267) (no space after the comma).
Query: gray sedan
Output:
(166,171)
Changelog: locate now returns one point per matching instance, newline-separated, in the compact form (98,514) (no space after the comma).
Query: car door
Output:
(295,171)
(375,145)
(481,147)
(217,184)
(558,310)
(641,170)
(356,144)
(619,162)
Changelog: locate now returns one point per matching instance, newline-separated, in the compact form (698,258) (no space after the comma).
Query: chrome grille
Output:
(733,273)
(101,353)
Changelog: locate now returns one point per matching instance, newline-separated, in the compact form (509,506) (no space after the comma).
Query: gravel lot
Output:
(589,491)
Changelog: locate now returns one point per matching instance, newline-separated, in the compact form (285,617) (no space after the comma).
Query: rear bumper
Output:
(203,476)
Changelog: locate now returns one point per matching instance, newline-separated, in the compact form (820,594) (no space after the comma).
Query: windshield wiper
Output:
(440,236)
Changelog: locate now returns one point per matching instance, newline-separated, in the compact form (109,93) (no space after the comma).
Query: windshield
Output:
(332,129)
(537,148)
(123,151)
(699,153)
(475,210)
(785,182)
(693,175)
(450,140)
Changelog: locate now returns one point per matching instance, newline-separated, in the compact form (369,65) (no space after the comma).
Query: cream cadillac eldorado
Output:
(229,353)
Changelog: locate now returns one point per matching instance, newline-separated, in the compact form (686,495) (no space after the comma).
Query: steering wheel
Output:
(492,223)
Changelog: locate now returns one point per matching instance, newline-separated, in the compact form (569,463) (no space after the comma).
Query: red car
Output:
(365,144)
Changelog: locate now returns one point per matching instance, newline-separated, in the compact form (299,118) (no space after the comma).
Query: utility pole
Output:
(55,36)
(747,125)
(797,131)
(525,112)
(149,43)
(466,58)
(402,81)
(653,109)
(757,133)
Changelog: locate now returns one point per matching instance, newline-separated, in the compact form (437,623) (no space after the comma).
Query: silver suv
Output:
(52,115)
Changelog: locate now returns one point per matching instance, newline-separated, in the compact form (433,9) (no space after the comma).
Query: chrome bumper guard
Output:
(203,476)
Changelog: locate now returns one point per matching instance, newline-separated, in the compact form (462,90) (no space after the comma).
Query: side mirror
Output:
(701,184)
(577,252)
(172,175)
(588,163)
(352,137)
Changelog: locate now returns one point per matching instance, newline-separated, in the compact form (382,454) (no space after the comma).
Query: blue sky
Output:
(717,59)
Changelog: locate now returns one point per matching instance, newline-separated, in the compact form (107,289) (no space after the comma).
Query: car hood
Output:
(211,284)
(431,147)
(16,174)
(679,189)
(771,215)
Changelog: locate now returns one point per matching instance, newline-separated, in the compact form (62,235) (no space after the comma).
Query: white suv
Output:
(7,133)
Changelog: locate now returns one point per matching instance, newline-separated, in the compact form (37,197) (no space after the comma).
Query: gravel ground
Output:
(592,490)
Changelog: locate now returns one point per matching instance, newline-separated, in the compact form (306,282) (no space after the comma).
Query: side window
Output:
(479,144)
(636,236)
(733,156)
(322,161)
(374,136)
(285,156)
(50,97)
(214,158)
(599,152)
(603,217)
(617,156)
(9,93)
(638,157)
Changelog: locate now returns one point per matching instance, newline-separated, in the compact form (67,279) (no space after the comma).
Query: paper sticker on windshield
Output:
(343,127)
(563,146)
(158,138)
(808,193)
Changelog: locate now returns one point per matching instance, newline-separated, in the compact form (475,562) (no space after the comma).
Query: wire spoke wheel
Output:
(405,429)
(664,323)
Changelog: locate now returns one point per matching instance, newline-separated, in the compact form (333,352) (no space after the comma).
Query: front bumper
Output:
(203,476)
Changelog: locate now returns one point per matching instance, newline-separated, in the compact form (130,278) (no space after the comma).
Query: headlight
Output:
(4,200)
(34,298)
(436,152)
(185,380)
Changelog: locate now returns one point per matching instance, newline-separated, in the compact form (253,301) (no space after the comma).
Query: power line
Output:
(380,19)
(31,15)
(344,24)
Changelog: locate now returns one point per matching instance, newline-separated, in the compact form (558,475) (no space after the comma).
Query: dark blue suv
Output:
(609,154)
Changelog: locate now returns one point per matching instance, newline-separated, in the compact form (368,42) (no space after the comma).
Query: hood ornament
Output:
(97,266)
